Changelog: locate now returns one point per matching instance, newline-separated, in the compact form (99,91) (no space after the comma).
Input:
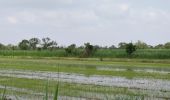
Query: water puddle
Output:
(149,70)
(32,95)
(152,84)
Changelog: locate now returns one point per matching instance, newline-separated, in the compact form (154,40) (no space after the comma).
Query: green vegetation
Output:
(71,50)
(68,89)
(104,53)
(46,47)
(56,92)
(87,72)
(24,45)
(19,75)
(87,67)
(3,94)
(33,42)
(89,50)
(130,48)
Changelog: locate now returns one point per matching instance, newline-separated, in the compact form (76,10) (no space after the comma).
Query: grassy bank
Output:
(104,53)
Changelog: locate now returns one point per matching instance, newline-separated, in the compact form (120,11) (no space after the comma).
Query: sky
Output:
(101,22)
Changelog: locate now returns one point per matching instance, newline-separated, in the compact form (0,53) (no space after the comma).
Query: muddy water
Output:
(150,70)
(31,95)
(139,83)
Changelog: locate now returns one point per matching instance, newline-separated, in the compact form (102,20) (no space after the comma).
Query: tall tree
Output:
(34,42)
(11,47)
(53,45)
(141,45)
(122,45)
(167,45)
(159,46)
(130,48)
(24,45)
(71,49)
(89,50)
(112,47)
(47,43)
(2,46)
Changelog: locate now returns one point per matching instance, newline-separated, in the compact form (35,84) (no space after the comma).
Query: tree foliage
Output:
(71,49)
(48,43)
(122,45)
(141,45)
(167,45)
(34,42)
(112,47)
(130,48)
(89,50)
(159,46)
(2,46)
(24,45)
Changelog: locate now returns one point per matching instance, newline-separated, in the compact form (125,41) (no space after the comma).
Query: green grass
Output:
(86,66)
(69,89)
(105,53)
(3,94)
(44,53)
(140,53)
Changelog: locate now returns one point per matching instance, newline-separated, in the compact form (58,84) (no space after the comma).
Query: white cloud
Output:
(124,7)
(22,18)
(56,18)
(12,20)
(109,18)
(153,16)
(65,1)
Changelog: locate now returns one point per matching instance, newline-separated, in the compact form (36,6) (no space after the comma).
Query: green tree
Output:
(71,49)
(150,46)
(89,50)
(130,48)
(48,43)
(2,47)
(167,45)
(141,45)
(11,47)
(112,47)
(53,45)
(122,45)
(24,45)
(34,42)
(159,46)
(97,47)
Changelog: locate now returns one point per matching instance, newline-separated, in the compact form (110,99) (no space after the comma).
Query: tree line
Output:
(86,50)
(48,44)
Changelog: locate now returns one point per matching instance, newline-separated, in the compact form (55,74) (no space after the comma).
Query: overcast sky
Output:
(102,22)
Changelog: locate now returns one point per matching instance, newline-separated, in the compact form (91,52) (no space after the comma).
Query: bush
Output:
(130,48)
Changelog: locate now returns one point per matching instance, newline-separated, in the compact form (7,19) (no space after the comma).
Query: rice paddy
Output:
(85,78)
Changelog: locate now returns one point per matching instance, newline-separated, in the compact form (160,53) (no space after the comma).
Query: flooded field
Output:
(26,79)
